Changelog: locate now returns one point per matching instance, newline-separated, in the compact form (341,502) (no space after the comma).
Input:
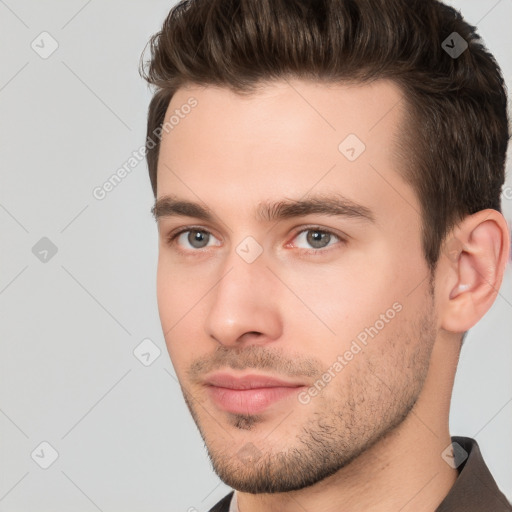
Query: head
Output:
(328,204)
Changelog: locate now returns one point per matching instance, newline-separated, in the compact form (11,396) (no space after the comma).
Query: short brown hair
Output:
(455,142)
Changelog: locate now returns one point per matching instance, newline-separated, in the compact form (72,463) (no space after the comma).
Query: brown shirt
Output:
(474,490)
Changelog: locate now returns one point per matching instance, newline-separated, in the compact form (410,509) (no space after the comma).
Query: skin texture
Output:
(372,437)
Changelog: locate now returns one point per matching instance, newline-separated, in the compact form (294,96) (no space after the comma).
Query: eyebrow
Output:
(332,205)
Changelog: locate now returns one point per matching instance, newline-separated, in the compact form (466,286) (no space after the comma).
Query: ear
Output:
(472,264)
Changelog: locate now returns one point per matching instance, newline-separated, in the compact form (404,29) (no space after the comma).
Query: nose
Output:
(245,305)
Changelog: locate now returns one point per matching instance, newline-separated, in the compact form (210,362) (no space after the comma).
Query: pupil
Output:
(317,239)
(198,239)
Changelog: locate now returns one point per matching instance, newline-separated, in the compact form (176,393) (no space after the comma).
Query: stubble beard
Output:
(382,388)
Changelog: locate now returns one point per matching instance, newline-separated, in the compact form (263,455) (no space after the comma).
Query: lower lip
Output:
(249,401)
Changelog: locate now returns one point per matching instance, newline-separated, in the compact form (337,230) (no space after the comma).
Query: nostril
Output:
(250,335)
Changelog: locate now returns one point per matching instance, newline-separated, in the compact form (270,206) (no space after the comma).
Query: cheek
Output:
(179,291)
(166,294)
(360,308)
(178,309)
(346,296)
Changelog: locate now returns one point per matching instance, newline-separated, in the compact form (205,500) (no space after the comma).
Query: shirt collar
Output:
(475,489)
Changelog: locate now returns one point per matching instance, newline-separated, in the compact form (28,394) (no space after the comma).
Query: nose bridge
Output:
(244,270)
(243,300)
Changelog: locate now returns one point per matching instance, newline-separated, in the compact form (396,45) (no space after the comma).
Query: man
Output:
(327,177)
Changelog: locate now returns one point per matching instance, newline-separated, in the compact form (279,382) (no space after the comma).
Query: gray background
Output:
(69,326)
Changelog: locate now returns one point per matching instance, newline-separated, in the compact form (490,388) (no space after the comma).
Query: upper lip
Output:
(252,381)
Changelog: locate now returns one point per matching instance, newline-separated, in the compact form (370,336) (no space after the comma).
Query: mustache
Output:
(255,357)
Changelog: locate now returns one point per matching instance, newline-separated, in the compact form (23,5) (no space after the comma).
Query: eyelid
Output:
(314,227)
(172,237)
(181,229)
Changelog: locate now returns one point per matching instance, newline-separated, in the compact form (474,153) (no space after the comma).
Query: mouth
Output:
(248,394)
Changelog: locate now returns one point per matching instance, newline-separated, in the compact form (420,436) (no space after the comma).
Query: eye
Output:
(192,238)
(315,238)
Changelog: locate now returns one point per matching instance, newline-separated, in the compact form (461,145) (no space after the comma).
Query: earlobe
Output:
(477,254)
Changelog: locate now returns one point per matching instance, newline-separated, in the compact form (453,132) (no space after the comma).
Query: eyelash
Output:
(171,239)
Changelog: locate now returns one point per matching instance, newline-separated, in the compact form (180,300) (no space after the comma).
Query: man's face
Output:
(300,328)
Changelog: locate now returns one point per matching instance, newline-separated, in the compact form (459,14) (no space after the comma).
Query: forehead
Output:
(287,139)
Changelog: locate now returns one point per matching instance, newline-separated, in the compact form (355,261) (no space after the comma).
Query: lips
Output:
(224,380)
(248,394)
